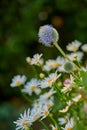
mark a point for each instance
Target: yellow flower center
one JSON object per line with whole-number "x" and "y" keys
{"x": 69, "y": 129}
{"x": 48, "y": 106}
{"x": 33, "y": 88}
{"x": 18, "y": 83}
{"x": 46, "y": 113}
{"x": 75, "y": 47}
{"x": 75, "y": 56}
{"x": 50, "y": 81}
{"x": 25, "y": 123}
{"x": 57, "y": 64}
{"x": 55, "y": 129}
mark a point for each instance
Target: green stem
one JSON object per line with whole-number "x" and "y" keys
{"x": 53, "y": 120}
{"x": 61, "y": 51}
{"x": 43, "y": 124}
{"x": 25, "y": 96}
{"x": 34, "y": 70}
{"x": 65, "y": 56}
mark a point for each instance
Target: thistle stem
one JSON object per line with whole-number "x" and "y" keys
{"x": 65, "y": 56}
{"x": 61, "y": 51}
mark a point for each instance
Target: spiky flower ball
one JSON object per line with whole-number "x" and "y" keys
{"x": 68, "y": 67}
{"x": 48, "y": 35}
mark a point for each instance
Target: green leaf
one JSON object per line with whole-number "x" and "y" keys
{"x": 84, "y": 78}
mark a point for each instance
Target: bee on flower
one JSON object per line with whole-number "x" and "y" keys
{"x": 73, "y": 46}
{"x": 18, "y": 80}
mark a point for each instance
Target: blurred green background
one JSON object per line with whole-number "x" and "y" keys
{"x": 19, "y": 24}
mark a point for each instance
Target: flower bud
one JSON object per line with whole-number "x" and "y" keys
{"x": 68, "y": 67}
{"x": 42, "y": 75}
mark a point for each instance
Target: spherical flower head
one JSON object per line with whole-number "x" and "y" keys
{"x": 48, "y": 35}
{"x": 68, "y": 67}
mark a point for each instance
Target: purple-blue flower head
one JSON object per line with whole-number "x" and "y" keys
{"x": 48, "y": 35}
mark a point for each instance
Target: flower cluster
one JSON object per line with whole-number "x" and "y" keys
{"x": 57, "y": 93}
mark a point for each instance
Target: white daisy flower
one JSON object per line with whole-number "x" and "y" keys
{"x": 73, "y": 46}
{"x": 37, "y": 108}
{"x": 63, "y": 120}
{"x": 37, "y": 60}
{"x": 53, "y": 64}
{"x": 44, "y": 112}
{"x": 60, "y": 60}
{"x": 25, "y": 121}
{"x": 76, "y": 56}
{"x": 77, "y": 98}
{"x": 48, "y": 81}
{"x": 50, "y": 64}
{"x": 36, "y": 111}
{"x": 46, "y": 95}
{"x": 68, "y": 84}
{"x": 69, "y": 125}
{"x": 84, "y": 48}
{"x": 48, "y": 103}
{"x": 69, "y": 103}
{"x": 32, "y": 86}
{"x": 18, "y": 80}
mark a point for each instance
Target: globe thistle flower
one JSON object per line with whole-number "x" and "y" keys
{"x": 48, "y": 35}
{"x": 68, "y": 67}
